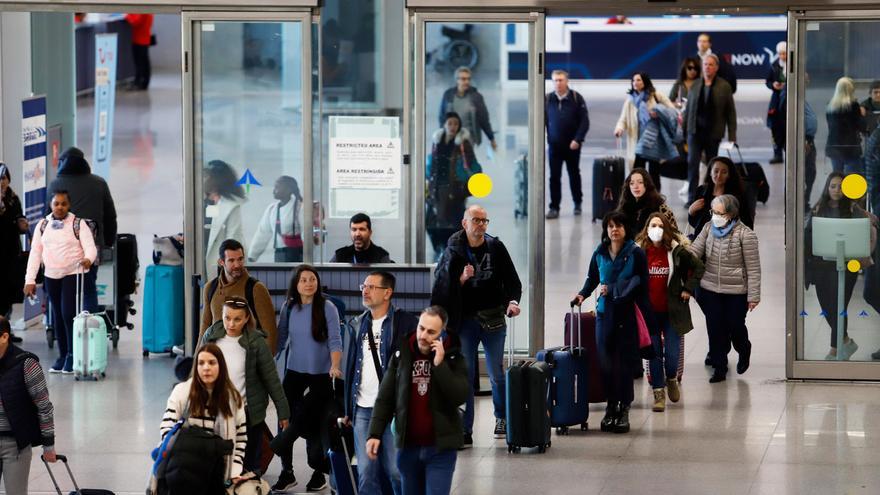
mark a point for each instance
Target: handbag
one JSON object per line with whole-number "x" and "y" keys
{"x": 492, "y": 319}
{"x": 646, "y": 348}
{"x": 253, "y": 486}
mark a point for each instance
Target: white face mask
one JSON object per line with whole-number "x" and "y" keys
{"x": 719, "y": 220}
{"x": 655, "y": 234}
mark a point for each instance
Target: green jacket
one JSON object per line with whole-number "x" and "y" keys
{"x": 261, "y": 379}
{"x": 449, "y": 389}
{"x": 686, "y": 270}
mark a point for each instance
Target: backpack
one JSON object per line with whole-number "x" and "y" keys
{"x": 77, "y": 223}
{"x": 248, "y": 294}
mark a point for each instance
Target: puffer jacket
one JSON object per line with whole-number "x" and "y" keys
{"x": 733, "y": 264}
{"x": 629, "y": 122}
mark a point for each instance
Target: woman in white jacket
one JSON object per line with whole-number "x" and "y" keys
{"x": 209, "y": 400}
{"x": 223, "y": 200}
{"x": 637, "y": 111}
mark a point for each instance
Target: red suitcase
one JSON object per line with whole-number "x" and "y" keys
{"x": 588, "y": 341}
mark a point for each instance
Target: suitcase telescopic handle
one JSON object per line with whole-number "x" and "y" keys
{"x": 510, "y": 340}
{"x": 63, "y": 460}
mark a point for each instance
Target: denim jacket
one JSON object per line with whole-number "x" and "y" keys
{"x": 397, "y": 325}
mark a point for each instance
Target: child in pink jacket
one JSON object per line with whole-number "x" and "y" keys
{"x": 64, "y": 245}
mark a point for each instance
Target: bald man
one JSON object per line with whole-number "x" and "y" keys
{"x": 477, "y": 283}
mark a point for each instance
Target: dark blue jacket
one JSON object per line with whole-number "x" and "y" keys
{"x": 396, "y": 326}
{"x": 566, "y": 121}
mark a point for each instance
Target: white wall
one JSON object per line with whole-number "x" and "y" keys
{"x": 15, "y": 85}
{"x": 165, "y": 56}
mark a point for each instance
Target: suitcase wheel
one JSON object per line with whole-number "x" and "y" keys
{"x": 562, "y": 430}
{"x": 542, "y": 449}
{"x": 585, "y": 426}
{"x": 50, "y": 337}
{"x": 146, "y": 353}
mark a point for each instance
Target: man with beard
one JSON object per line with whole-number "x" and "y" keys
{"x": 362, "y": 251}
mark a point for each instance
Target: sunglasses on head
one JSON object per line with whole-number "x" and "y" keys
{"x": 236, "y": 304}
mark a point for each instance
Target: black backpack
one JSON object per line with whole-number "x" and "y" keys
{"x": 248, "y": 294}
{"x": 195, "y": 464}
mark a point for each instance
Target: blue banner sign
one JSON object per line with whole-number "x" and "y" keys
{"x": 106, "y": 51}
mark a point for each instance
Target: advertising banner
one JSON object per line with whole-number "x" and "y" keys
{"x": 105, "y": 99}
{"x": 33, "y": 137}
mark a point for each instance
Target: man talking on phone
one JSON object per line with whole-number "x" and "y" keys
{"x": 477, "y": 283}
{"x": 425, "y": 383}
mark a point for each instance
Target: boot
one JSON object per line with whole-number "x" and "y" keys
{"x": 673, "y": 389}
{"x": 659, "y": 400}
{"x": 610, "y": 419}
{"x": 622, "y": 425}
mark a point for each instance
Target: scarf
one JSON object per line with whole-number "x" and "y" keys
{"x": 640, "y": 100}
{"x": 723, "y": 231}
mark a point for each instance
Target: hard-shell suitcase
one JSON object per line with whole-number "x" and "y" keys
{"x": 608, "y": 175}
{"x": 569, "y": 398}
{"x": 521, "y": 187}
{"x": 77, "y": 489}
{"x": 89, "y": 340}
{"x": 163, "y": 309}
{"x": 528, "y": 389}
{"x": 127, "y": 264}
{"x": 345, "y": 475}
{"x": 586, "y": 328}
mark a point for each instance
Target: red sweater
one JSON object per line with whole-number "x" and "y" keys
{"x": 420, "y": 427}
{"x": 658, "y": 278}
{"x": 141, "y": 28}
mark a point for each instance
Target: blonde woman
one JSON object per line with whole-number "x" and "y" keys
{"x": 845, "y": 121}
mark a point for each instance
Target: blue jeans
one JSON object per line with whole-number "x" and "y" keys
{"x": 493, "y": 343}
{"x": 374, "y": 475}
{"x": 615, "y": 364}
{"x": 666, "y": 351}
{"x": 426, "y": 470}
{"x": 848, "y": 165}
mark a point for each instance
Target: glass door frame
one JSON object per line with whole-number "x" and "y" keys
{"x": 414, "y": 126}
{"x": 193, "y": 213}
{"x": 795, "y": 366}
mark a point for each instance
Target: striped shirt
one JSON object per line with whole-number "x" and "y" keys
{"x": 237, "y": 432}
{"x": 35, "y": 382}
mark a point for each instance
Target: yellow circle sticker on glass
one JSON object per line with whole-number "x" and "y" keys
{"x": 480, "y": 185}
{"x": 853, "y": 266}
{"x": 854, "y": 186}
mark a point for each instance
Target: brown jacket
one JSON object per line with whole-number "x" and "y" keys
{"x": 213, "y": 310}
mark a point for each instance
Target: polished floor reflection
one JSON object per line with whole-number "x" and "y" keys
{"x": 754, "y": 433}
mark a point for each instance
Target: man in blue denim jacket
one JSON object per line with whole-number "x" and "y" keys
{"x": 387, "y": 325}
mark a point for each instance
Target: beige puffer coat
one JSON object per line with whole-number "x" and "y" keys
{"x": 733, "y": 264}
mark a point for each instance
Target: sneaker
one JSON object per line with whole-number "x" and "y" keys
{"x": 500, "y": 428}
{"x": 58, "y": 366}
{"x": 68, "y": 366}
{"x": 578, "y": 210}
{"x": 849, "y": 348}
{"x": 316, "y": 483}
{"x": 285, "y": 482}
{"x": 673, "y": 390}
{"x": 659, "y": 400}
{"x": 875, "y": 355}
{"x": 467, "y": 442}
{"x": 552, "y": 214}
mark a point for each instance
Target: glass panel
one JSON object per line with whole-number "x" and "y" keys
{"x": 361, "y": 100}
{"x": 480, "y": 72}
{"x": 840, "y": 148}
{"x": 249, "y": 137}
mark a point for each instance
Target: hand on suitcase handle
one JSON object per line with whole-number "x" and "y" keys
{"x": 51, "y": 456}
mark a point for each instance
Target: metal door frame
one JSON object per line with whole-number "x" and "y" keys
{"x": 414, "y": 125}
{"x": 796, "y": 367}
{"x": 193, "y": 217}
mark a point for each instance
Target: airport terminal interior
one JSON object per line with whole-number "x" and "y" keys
{"x": 276, "y": 92}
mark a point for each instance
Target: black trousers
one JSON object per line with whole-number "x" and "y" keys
{"x": 652, "y": 166}
{"x": 288, "y": 254}
{"x": 572, "y": 158}
{"x": 826, "y": 293}
{"x": 697, "y": 145}
{"x": 305, "y": 408}
{"x": 254, "y": 451}
{"x": 809, "y": 168}
{"x": 726, "y": 324}
{"x": 141, "y": 58}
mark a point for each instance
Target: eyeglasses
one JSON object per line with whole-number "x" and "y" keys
{"x": 371, "y": 287}
{"x": 236, "y": 304}
{"x": 480, "y": 221}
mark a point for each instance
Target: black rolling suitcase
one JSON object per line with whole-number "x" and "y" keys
{"x": 127, "y": 264}
{"x": 78, "y": 491}
{"x": 753, "y": 177}
{"x": 528, "y": 390}
{"x": 521, "y": 185}
{"x": 608, "y": 177}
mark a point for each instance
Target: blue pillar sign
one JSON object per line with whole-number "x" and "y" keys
{"x": 33, "y": 137}
{"x": 106, "y": 50}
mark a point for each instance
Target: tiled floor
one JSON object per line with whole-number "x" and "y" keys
{"x": 751, "y": 434}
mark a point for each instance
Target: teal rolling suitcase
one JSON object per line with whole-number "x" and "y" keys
{"x": 89, "y": 341}
{"x": 163, "y": 324}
